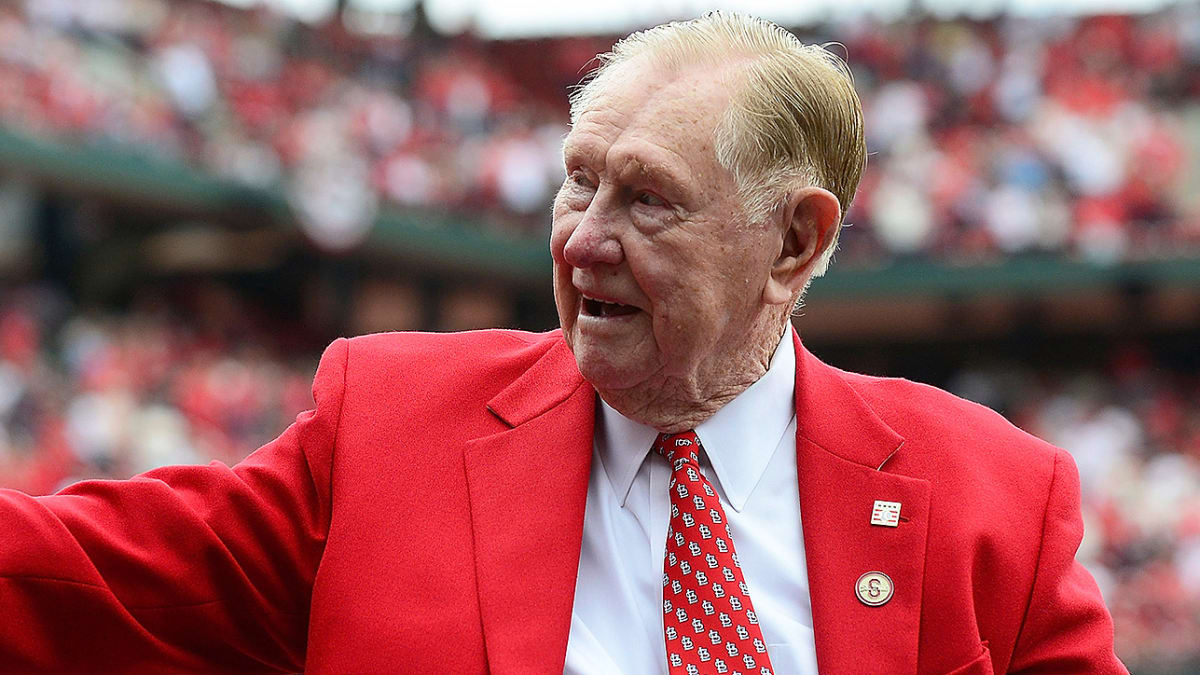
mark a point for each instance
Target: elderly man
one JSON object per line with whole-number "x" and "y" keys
{"x": 669, "y": 484}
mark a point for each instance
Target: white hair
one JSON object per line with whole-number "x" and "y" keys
{"x": 794, "y": 119}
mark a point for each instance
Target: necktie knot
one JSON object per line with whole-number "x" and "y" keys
{"x": 681, "y": 447}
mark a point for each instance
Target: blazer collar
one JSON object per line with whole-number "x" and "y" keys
{"x": 832, "y": 415}
{"x": 528, "y": 488}
{"x": 549, "y": 382}
{"x": 842, "y": 452}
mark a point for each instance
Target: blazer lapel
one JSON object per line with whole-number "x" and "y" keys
{"x": 528, "y": 488}
{"x": 841, "y": 447}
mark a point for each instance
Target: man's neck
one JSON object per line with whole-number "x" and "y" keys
{"x": 672, "y": 405}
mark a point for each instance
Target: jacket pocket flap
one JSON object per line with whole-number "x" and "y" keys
{"x": 980, "y": 665}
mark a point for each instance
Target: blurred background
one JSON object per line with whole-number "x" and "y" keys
{"x": 196, "y": 197}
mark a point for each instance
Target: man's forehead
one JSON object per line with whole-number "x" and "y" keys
{"x": 654, "y": 119}
{"x": 635, "y": 91}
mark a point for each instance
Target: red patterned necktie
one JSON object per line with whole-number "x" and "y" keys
{"x": 708, "y": 621}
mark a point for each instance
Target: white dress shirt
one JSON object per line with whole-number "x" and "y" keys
{"x": 750, "y": 458}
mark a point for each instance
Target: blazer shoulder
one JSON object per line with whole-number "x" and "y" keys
{"x": 957, "y": 434}
{"x": 915, "y": 405}
{"x": 416, "y": 366}
{"x": 414, "y": 344}
{"x": 475, "y": 349}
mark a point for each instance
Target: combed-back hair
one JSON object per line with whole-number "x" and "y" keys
{"x": 794, "y": 118}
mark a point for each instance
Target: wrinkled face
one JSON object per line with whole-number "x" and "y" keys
{"x": 657, "y": 273}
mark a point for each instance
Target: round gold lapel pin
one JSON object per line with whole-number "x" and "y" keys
{"x": 874, "y": 588}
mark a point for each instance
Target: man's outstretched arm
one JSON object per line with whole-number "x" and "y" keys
{"x": 187, "y": 569}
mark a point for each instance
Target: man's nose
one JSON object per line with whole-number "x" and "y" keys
{"x": 594, "y": 240}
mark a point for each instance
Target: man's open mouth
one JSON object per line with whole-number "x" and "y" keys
{"x": 601, "y": 308}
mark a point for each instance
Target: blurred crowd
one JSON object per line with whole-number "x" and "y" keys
{"x": 342, "y": 123}
{"x": 100, "y": 395}
{"x": 1068, "y": 135}
{"x": 1072, "y": 136}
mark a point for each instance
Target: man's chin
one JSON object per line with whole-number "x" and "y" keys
{"x": 608, "y": 372}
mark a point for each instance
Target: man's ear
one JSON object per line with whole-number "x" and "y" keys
{"x": 810, "y": 217}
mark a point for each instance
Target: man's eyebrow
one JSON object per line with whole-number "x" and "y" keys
{"x": 630, "y": 165}
{"x": 575, "y": 150}
{"x": 664, "y": 173}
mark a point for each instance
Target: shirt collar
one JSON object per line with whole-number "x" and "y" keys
{"x": 739, "y": 439}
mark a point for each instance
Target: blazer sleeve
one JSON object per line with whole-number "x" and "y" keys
{"x": 1067, "y": 628}
{"x": 181, "y": 569}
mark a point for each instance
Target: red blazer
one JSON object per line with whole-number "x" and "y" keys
{"x": 402, "y": 526}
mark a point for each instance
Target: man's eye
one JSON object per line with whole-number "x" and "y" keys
{"x": 580, "y": 178}
{"x": 650, "y": 199}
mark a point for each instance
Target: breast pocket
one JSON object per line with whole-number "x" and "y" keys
{"x": 980, "y": 665}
